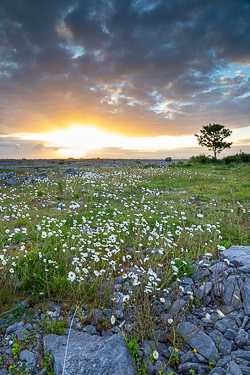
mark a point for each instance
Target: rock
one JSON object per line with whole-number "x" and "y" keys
{"x": 224, "y": 324}
{"x": 233, "y": 369}
{"x": 223, "y": 345}
{"x": 198, "y": 340}
{"x": 13, "y": 327}
{"x": 166, "y": 370}
{"x": 200, "y": 358}
{"x": 246, "y": 297}
{"x": 28, "y": 326}
{"x": 106, "y": 333}
{"x": 237, "y": 255}
{"x": 218, "y": 371}
{"x": 200, "y": 275}
{"x": 245, "y": 369}
{"x": 13, "y": 181}
{"x": 90, "y": 329}
{"x": 218, "y": 270}
{"x": 244, "y": 354}
{"x": 222, "y": 362}
{"x": 90, "y": 354}
{"x": 70, "y": 170}
{"x": 198, "y": 368}
{"x": 242, "y": 338}
{"x": 187, "y": 280}
{"x": 160, "y": 335}
{"x": 177, "y": 306}
{"x": 244, "y": 323}
{"x": 29, "y": 358}
{"x": 3, "y": 371}
{"x": 231, "y": 291}
{"x": 188, "y": 357}
{"x": 203, "y": 290}
{"x": 22, "y": 333}
{"x": 42, "y": 372}
{"x": 229, "y": 334}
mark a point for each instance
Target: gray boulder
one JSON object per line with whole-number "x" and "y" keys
{"x": 246, "y": 297}
{"x": 223, "y": 345}
{"x": 233, "y": 369}
{"x": 237, "y": 255}
{"x": 90, "y": 355}
{"x": 198, "y": 368}
{"x": 231, "y": 292}
{"x": 224, "y": 324}
{"x": 242, "y": 338}
{"x": 71, "y": 171}
{"x": 29, "y": 358}
{"x": 203, "y": 290}
{"x": 241, "y": 354}
{"x": 198, "y": 340}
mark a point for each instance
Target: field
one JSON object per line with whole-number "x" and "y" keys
{"x": 71, "y": 238}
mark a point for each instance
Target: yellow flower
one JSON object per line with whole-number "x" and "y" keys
{"x": 176, "y": 350}
{"x": 195, "y": 350}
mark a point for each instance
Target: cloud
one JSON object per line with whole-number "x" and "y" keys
{"x": 150, "y": 67}
{"x": 17, "y": 147}
{"x": 244, "y": 141}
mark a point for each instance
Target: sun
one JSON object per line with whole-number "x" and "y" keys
{"x": 72, "y": 152}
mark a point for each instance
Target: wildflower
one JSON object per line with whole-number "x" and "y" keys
{"x": 44, "y": 234}
{"x": 176, "y": 350}
{"x": 155, "y": 354}
{"x": 4, "y": 262}
{"x": 71, "y": 276}
{"x": 112, "y": 320}
{"x": 11, "y": 270}
{"x": 220, "y": 313}
{"x": 170, "y": 321}
{"x": 195, "y": 350}
{"x": 162, "y": 299}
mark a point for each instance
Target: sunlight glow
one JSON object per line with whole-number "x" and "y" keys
{"x": 77, "y": 140}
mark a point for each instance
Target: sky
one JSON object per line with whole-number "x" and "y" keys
{"x": 122, "y": 78}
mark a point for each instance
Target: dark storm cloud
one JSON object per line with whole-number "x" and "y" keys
{"x": 141, "y": 67}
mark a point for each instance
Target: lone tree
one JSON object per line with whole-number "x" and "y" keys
{"x": 212, "y": 137}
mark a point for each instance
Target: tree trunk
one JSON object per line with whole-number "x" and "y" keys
{"x": 215, "y": 154}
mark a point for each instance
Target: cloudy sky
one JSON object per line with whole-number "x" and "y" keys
{"x": 122, "y": 78}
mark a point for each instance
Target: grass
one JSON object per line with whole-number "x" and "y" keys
{"x": 151, "y": 218}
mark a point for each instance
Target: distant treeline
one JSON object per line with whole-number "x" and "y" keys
{"x": 237, "y": 158}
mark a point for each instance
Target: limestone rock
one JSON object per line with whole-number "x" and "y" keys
{"x": 198, "y": 340}
{"x": 91, "y": 355}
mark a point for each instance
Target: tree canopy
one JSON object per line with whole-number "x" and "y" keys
{"x": 212, "y": 136}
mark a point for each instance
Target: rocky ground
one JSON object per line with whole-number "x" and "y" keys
{"x": 31, "y": 170}
{"x": 209, "y": 313}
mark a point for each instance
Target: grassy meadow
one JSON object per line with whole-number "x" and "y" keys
{"x": 68, "y": 237}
